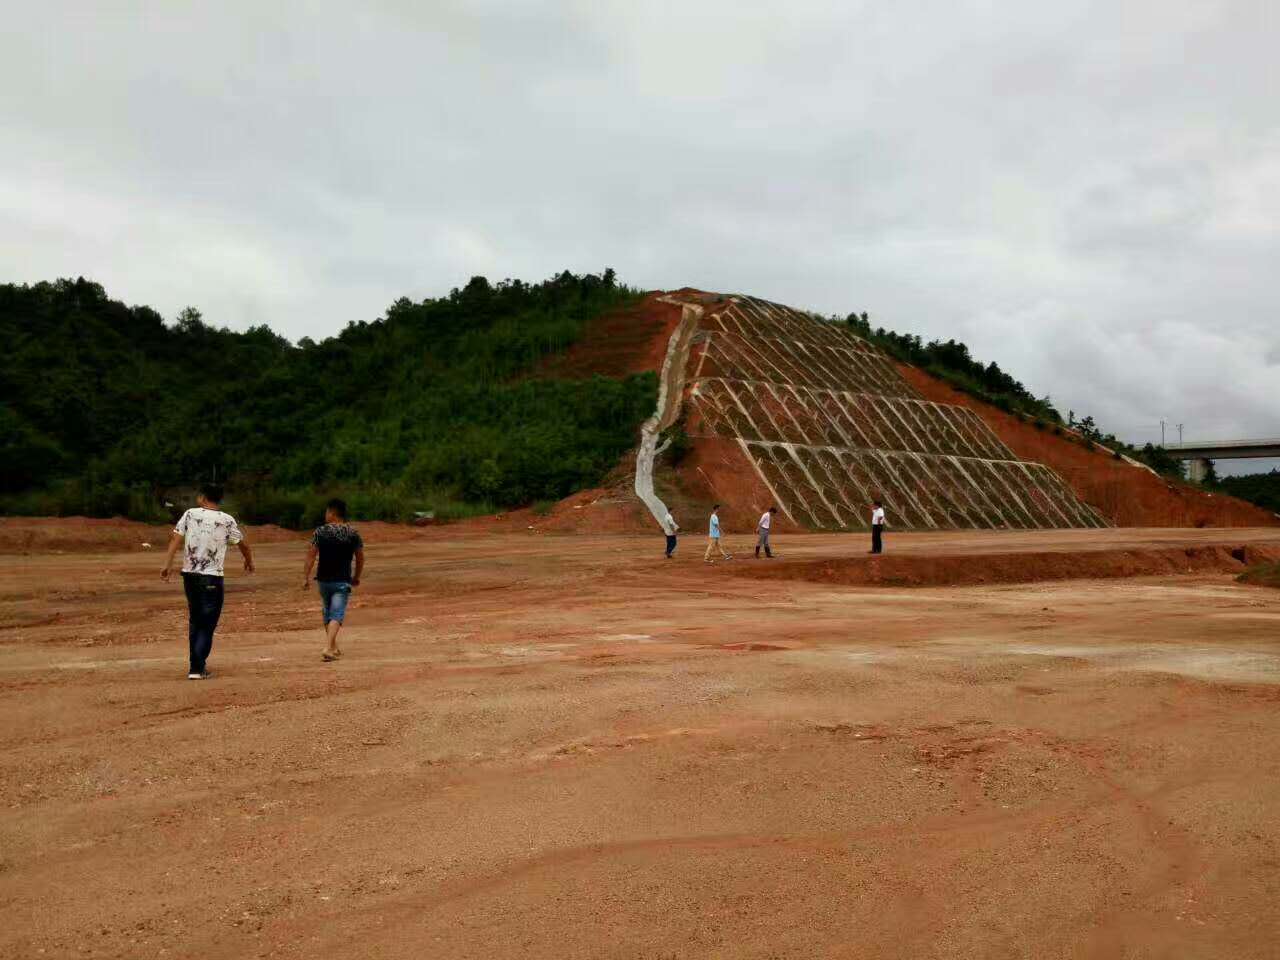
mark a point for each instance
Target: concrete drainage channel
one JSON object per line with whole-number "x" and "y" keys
{"x": 670, "y": 394}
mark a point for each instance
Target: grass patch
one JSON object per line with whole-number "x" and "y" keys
{"x": 1262, "y": 575}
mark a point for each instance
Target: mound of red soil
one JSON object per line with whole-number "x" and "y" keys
{"x": 916, "y": 570}
{"x": 634, "y": 340}
{"x": 1126, "y": 495}
{"x": 91, "y": 535}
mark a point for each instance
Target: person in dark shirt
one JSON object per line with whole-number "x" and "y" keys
{"x": 336, "y": 544}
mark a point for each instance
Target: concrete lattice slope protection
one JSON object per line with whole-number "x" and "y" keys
{"x": 824, "y": 423}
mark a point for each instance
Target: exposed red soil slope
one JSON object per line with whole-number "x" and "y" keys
{"x": 715, "y": 470}
{"x": 630, "y": 340}
{"x": 1126, "y": 495}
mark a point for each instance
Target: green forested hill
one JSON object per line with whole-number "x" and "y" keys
{"x": 103, "y": 405}
{"x": 1260, "y": 488}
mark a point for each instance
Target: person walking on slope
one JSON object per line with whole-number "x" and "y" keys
{"x": 336, "y": 542}
{"x": 204, "y": 532}
{"x": 669, "y": 527}
{"x": 713, "y": 537}
{"x": 877, "y": 527}
{"x": 762, "y": 532}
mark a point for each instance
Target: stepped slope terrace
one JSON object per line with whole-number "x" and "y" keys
{"x": 824, "y": 423}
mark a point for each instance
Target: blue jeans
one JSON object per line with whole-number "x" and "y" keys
{"x": 334, "y": 595}
{"x": 204, "y": 607}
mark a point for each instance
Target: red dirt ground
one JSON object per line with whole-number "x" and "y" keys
{"x": 568, "y": 747}
{"x": 1128, "y": 496}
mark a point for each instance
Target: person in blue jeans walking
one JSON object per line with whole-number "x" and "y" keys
{"x": 204, "y": 532}
{"x": 336, "y": 543}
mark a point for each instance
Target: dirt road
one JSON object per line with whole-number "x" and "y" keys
{"x": 558, "y": 747}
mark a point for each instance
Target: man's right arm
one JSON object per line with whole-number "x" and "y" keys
{"x": 175, "y": 541}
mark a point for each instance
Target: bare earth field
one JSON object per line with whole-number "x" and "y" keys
{"x": 554, "y": 747}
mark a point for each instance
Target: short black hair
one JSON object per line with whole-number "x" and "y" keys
{"x": 211, "y": 492}
{"x": 877, "y": 503}
{"x": 773, "y": 509}
{"x": 337, "y": 506}
{"x": 716, "y": 507}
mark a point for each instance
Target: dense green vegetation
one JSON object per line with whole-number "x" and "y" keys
{"x": 1260, "y": 488}
{"x": 431, "y": 407}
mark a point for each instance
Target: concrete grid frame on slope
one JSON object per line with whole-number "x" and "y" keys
{"x": 828, "y": 423}
{"x": 785, "y": 413}
{"x": 830, "y": 488}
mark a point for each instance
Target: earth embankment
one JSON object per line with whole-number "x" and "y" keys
{"x": 1128, "y": 496}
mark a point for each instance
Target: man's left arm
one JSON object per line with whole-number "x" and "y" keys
{"x": 355, "y": 580}
{"x": 175, "y": 541}
{"x": 236, "y": 536}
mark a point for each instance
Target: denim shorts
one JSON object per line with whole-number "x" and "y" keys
{"x": 334, "y": 595}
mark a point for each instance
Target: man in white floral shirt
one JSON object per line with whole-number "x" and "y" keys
{"x": 204, "y": 532}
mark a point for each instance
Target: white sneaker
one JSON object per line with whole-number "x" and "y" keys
{"x": 195, "y": 676}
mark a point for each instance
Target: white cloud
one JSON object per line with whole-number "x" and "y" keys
{"x": 1084, "y": 192}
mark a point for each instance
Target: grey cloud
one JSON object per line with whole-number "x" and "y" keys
{"x": 1084, "y": 192}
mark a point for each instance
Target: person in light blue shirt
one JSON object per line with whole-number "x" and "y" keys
{"x": 713, "y": 537}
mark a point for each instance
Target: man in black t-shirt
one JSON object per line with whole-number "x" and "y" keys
{"x": 336, "y": 544}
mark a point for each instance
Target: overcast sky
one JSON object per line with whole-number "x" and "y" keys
{"x": 1087, "y": 193}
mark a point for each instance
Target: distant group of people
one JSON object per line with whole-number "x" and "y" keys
{"x": 336, "y": 554}
{"x": 763, "y": 528}
{"x": 205, "y": 531}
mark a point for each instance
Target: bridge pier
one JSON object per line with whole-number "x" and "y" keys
{"x": 1198, "y": 469}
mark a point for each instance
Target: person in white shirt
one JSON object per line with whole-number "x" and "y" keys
{"x": 877, "y": 526}
{"x": 669, "y": 527}
{"x": 762, "y": 532}
{"x": 713, "y": 537}
{"x": 204, "y": 532}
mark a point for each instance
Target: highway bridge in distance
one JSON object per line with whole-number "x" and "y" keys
{"x": 1201, "y": 454}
